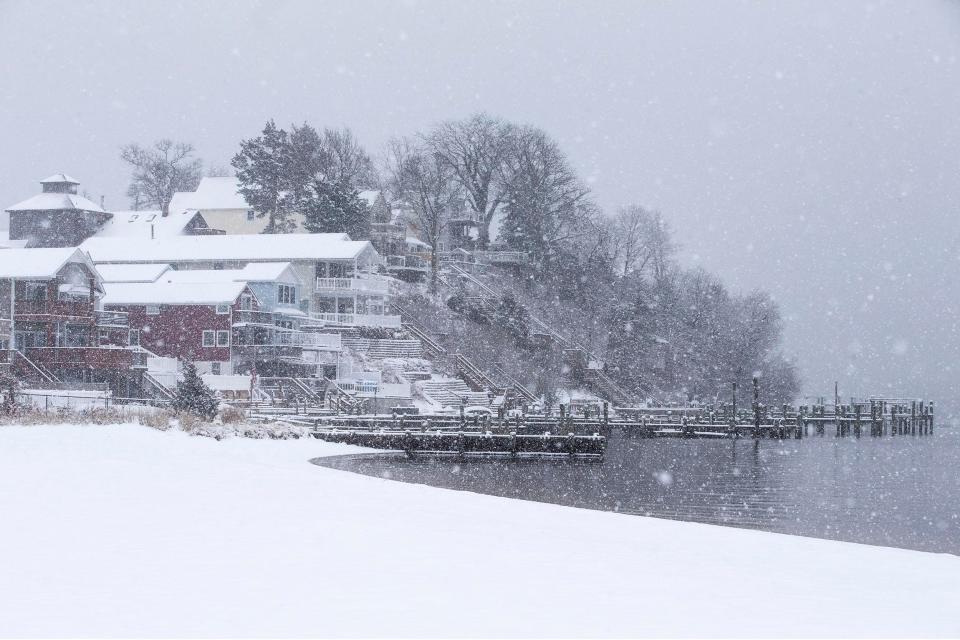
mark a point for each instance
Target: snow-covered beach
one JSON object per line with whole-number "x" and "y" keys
{"x": 125, "y": 530}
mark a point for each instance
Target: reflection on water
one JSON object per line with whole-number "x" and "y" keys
{"x": 902, "y": 491}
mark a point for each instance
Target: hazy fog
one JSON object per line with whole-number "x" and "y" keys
{"x": 811, "y": 149}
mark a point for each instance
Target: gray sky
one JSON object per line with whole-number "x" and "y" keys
{"x": 808, "y": 148}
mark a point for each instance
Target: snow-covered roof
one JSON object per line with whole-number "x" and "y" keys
{"x": 56, "y": 202}
{"x": 253, "y": 272}
{"x": 369, "y": 196}
{"x": 131, "y": 272}
{"x": 226, "y": 383}
{"x": 39, "y": 264}
{"x": 58, "y": 178}
{"x": 7, "y": 243}
{"x": 246, "y": 248}
{"x": 145, "y": 224}
{"x": 173, "y": 293}
{"x": 417, "y": 242}
{"x": 211, "y": 193}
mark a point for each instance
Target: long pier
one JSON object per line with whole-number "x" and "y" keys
{"x": 585, "y": 437}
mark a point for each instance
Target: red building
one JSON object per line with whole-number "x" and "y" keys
{"x": 50, "y": 329}
{"x": 190, "y": 321}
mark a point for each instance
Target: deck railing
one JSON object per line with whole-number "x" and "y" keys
{"x": 358, "y": 319}
{"x": 359, "y": 285}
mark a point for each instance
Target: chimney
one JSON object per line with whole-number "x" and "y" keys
{"x": 101, "y": 201}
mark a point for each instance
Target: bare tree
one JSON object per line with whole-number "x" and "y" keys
{"x": 641, "y": 241}
{"x": 475, "y": 150}
{"x": 426, "y": 180}
{"x": 160, "y": 171}
{"x": 547, "y": 208}
{"x": 348, "y": 161}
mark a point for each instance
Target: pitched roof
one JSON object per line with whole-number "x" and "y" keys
{"x": 174, "y": 293}
{"x": 246, "y": 248}
{"x": 56, "y": 202}
{"x": 59, "y": 177}
{"x": 131, "y": 272}
{"x": 39, "y": 264}
{"x": 145, "y": 224}
{"x": 253, "y": 272}
{"x": 211, "y": 193}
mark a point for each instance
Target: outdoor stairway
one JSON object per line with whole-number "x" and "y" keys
{"x": 285, "y": 389}
{"x": 380, "y": 348}
{"x": 152, "y": 387}
{"x": 32, "y": 371}
{"x": 595, "y": 378}
{"x": 453, "y": 393}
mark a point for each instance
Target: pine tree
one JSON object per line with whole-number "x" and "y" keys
{"x": 193, "y": 395}
{"x": 334, "y": 207}
{"x": 263, "y": 171}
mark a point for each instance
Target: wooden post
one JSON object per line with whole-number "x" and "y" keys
{"x": 733, "y": 419}
{"x": 930, "y": 409}
{"x": 756, "y": 407}
{"x": 856, "y": 427}
{"x": 913, "y": 418}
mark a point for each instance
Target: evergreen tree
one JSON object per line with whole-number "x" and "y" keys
{"x": 193, "y": 395}
{"x": 263, "y": 170}
{"x": 334, "y": 207}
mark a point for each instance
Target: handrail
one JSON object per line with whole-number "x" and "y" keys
{"x": 46, "y": 375}
{"x": 159, "y": 386}
{"x": 522, "y": 390}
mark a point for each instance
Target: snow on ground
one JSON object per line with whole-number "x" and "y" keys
{"x": 125, "y": 530}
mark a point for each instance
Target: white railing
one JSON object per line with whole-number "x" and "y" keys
{"x": 304, "y": 339}
{"x": 359, "y": 319}
{"x": 364, "y": 285}
{"x": 501, "y": 257}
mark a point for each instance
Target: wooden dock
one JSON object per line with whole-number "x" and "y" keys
{"x": 473, "y": 444}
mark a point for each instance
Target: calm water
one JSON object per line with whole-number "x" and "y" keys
{"x": 901, "y": 492}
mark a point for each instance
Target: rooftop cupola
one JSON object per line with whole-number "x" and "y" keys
{"x": 59, "y": 183}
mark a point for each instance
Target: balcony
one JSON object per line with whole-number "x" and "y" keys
{"x": 248, "y": 316}
{"x": 111, "y": 319}
{"x": 353, "y": 285}
{"x": 58, "y": 308}
{"x": 92, "y": 357}
{"x": 501, "y": 257}
{"x": 358, "y": 319}
{"x": 406, "y": 263}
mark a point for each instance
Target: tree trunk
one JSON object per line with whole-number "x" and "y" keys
{"x": 483, "y": 241}
{"x": 433, "y": 269}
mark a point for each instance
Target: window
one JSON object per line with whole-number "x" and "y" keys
{"x": 103, "y": 336}
{"x": 223, "y": 309}
{"x": 246, "y": 302}
{"x": 286, "y": 294}
{"x": 250, "y": 215}
{"x": 209, "y": 338}
{"x": 215, "y": 368}
{"x": 36, "y": 291}
{"x": 134, "y": 337}
{"x": 223, "y": 338}
{"x": 153, "y": 309}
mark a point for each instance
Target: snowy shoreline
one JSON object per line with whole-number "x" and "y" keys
{"x": 125, "y": 530}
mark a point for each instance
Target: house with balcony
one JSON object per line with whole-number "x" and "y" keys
{"x": 341, "y": 280}
{"x": 52, "y": 328}
{"x": 227, "y": 321}
{"x": 188, "y": 321}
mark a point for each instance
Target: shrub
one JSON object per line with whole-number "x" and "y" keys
{"x": 194, "y": 396}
